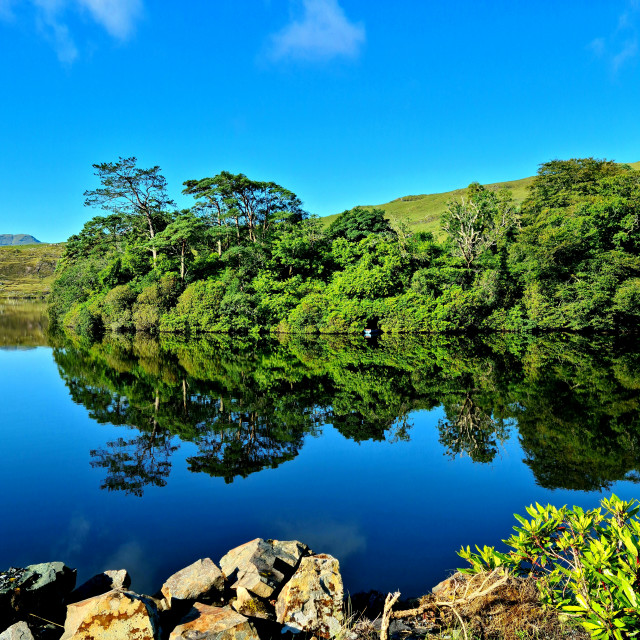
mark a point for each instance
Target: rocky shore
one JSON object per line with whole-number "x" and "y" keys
{"x": 260, "y": 590}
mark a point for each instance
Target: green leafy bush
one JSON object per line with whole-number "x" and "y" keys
{"x": 586, "y": 563}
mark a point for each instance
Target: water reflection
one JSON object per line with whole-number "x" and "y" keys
{"x": 23, "y": 324}
{"x": 249, "y": 405}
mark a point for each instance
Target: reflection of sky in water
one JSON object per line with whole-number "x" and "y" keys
{"x": 393, "y": 513}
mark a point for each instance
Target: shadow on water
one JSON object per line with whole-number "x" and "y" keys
{"x": 249, "y": 405}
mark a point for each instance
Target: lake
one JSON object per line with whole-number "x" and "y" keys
{"x": 389, "y": 453}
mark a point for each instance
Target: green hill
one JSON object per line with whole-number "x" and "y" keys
{"x": 422, "y": 212}
{"x": 27, "y": 271}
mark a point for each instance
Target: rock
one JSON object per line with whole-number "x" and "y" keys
{"x": 99, "y": 584}
{"x": 449, "y": 585}
{"x": 17, "y": 631}
{"x": 201, "y": 581}
{"x": 251, "y": 606}
{"x": 39, "y": 589}
{"x": 262, "y": 566}
{"x": 312, "y": 600}
{"x": 205, "y": 622}
{"x": 116, "y": 615}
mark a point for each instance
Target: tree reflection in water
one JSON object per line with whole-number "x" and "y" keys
{"x": 248, "y": 405}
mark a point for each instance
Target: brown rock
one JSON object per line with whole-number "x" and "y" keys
{"x": 200, "y": 580}
{"x": 312, "y": 600}
{"x": 204, "y": 622}
{"x": 449, "y": 585}
{"x": 116, "y": 615}
{"x": 251, "y": 606}
{"x": 262, "y": 566}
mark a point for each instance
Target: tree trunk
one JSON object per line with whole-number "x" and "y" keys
{"x": 182, "y": 263}
{"x": 152, "y": 233}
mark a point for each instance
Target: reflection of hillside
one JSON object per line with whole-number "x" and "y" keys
{"x": 22, "y": 324}
{"x": 249, "y": 405}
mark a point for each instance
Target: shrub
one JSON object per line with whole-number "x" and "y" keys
{"x": 586, "y": 563}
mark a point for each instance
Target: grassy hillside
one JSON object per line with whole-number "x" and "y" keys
{"x": 27, "y": 271}
{"x": 422, "y": 212}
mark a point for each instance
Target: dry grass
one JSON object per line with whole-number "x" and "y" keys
{"x": 493, "y": 605}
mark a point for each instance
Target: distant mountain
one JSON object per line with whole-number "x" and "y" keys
{"x": 9, "y": 240}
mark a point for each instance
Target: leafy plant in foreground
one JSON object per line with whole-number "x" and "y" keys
{"x": 586, "y": 563}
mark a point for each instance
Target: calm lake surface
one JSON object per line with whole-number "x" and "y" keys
{"x": 390, "y": 455}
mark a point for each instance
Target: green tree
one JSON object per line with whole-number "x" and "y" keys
{"x": 254, "y": 206}
{"x": 357, "y": 223}
{"x": 479, "y": 222}
{"x": 139, "y": 195}
{"x": 182, "y": 235}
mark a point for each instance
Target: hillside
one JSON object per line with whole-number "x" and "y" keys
{"x": 27, "y": 271}
{"x": 19, "y": 239}
{"x": 422, "y": 212}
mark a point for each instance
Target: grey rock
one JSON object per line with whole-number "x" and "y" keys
{"x": 17, "y": 631}
{"x": 312, "y": 599}
{"x": 262, "y": 566}
{"x": 202, "y": 581}
{"x": 99, "y": 584}
{"x": 37, "y": 589}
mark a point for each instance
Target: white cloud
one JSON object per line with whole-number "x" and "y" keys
{"x": 55, "y": 30}
{"x": 621, "y": 46}
{"x": 322, "y": 33}
{"x": 5, "y": 10}
{"x": 116, "y": 17}
{"x": 628, "y": 52}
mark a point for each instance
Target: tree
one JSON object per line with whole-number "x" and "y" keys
{"x": 479, "y": 222}
{"x": 181, "y": 234}
{"x": 254, "y": 206}
{"x": 131, "y": 192}
{"x": 357, "y": 223}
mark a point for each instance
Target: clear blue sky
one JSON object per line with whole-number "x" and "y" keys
{"x": 344, "y": 102}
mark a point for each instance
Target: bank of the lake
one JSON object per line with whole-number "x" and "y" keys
{"x": 266, "y": 589}
{"x": 248, "y": 258}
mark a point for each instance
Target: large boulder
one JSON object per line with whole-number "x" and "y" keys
{"x": 18, "y": 631}
{"x": 37, "y": 589}
{"x": 101, "y": 583}
{"x": 312, "y": 600}
{"x": 202, "y": 581}
{"x": 116, "y": 615}
{"x": 205, "y": 622}
{"x": 262, "y": 566}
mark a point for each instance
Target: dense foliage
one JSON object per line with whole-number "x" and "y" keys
{"x": 247, "y": 257}
{"x": 586, "y": 563}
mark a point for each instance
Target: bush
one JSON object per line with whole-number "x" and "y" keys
{"x": 116, "y": 308}
{"x": 586, "y": 563}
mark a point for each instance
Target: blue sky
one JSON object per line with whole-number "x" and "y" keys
{"x": 344, "y": 102}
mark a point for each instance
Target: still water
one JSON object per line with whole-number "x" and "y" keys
{"x": 148, "y": 454}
